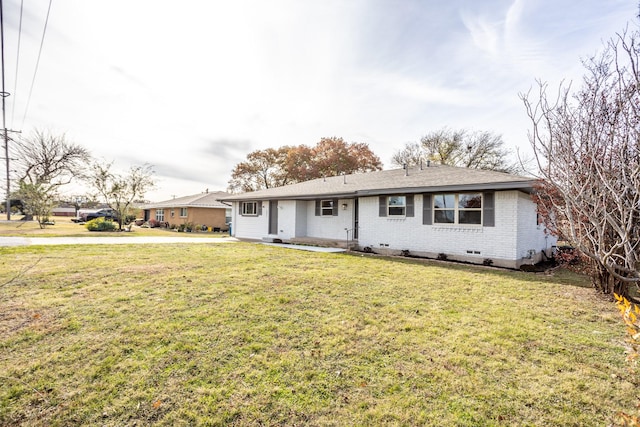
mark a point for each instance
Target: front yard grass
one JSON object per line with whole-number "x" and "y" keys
{"x": 250, "y": 334}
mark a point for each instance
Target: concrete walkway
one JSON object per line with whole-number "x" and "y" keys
{"x": 26, "y": 241}
{"x": 305, "y": 248}
{"x": 142, "y": 240}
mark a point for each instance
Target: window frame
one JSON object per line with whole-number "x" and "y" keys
{"x": 160, "y": 215}
{"x": 248, "y": 212}
{"x": 183, "y": 212}
{"x": 326, "y": 210}
{"x": 457, "y": 209}
{"x": 403, "y": 206}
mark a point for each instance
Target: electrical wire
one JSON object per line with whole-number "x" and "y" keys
{"x": 35, "y": 72}
{"x": 15, "y": 87}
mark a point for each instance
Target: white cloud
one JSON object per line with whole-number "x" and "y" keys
{"x": 160, "y": 82}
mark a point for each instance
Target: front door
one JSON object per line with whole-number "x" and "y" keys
{"x": 273, "y": 217}
{"x": 356, "y": 213}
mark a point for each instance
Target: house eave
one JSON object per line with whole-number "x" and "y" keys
{"x": 525, "y": 186}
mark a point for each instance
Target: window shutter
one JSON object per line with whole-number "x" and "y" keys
{"x": 317, "y": 207}
{"x": 427, "y": 218}
{"x": 335, "y": 207}
{"x": 259, "y": 207}
{"x": 382, "y": 209}
{"x": 488, "y": 210}
{"x": 410, "y": 207}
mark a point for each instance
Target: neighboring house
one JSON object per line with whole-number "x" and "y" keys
{"x": 64, "y": 209}
{"x": 202, "y": 209}
{"x": 462, "y": 214}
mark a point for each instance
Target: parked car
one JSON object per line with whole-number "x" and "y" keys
{"x": 106, "y": 213}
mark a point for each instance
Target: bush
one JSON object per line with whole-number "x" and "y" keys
{"x": 100, "y": 224}
{"x": 630, "y": 314}
{"x": 154, "y": 223}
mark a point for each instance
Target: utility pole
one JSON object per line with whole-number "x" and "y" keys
{"x": 3, "y": 95}
{"x": 4, "y": 119}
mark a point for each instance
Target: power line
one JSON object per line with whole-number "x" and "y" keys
{"x": 35, "y": 72}
{"x": 15, "y": 87}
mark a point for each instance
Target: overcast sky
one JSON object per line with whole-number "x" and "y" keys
{"x": 193, "y": 86}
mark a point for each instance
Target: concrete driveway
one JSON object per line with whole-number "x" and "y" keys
{"x": 26, "y": 241}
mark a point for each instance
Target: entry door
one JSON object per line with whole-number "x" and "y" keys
{"x": 273, "y": 217}
{"x": 356, "y": 214}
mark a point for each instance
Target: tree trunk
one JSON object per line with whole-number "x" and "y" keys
{"x": 606, "y": 283}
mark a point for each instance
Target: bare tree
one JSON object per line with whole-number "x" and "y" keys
{"x": 460, "y": 147}
{"x": 120, "y": 190}
{"x": 45, "y": 163}
{"x": 411, "y": 155}
{"x": 587, "y": 146}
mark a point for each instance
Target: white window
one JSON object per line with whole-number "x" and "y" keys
{"x": 326, "y": 207}
{"x": 462, "y": 208}
{"x": 396, "y": 206}
{"x": 249, "y": 208}
{"x": 159, "y": 214}
{"x": 183, "y": 212}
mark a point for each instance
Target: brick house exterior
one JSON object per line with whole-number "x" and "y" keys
{"x": 466, "y": 214}
{"x": 202, "y": 209}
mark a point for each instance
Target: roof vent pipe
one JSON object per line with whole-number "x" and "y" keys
{"x": 344, "y": 178}
{"x": 406, "y": 171}
{"x": 420, "y": 164}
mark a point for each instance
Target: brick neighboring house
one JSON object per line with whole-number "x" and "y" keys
{"x": 202, "y": 209}
{"x": 464, "y": 214}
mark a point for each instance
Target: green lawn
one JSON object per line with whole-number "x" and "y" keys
{"x": 248, "y": 334}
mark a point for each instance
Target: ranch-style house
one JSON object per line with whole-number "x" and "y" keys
{"x": 470, "y": 215}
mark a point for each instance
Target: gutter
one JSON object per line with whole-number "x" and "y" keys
{"x": 525, "y": 186}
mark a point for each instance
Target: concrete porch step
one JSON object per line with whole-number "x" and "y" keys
{"x": 329, "y": 243}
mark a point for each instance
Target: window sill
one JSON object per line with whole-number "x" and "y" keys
{"x": 471, "y": 228}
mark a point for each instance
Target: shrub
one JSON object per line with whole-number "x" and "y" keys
{"x": 100, "y": 224}
{"x": 630, "y": 313}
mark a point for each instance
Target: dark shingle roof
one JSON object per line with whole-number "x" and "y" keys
{"x": 395, "y": 181}
{"x": 202, "y": 200}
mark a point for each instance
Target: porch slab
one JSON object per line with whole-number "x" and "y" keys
{"x": 306, "y": 248}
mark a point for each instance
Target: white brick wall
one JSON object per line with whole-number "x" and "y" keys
{"x": 531, "y": 236}
{"x": 464, "y": 242}
{"x": 514, "y": 234}
{"x": 250, "y": 227}
{"x": 296, "y": 218}
{"x": 330, "y": 227}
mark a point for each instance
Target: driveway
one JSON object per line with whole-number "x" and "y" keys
{"x": 26, "y": 241}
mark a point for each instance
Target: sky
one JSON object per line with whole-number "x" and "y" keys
{"x": 192, "y": 87}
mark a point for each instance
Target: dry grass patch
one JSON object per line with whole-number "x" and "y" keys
{"x": 258, "y": 335}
